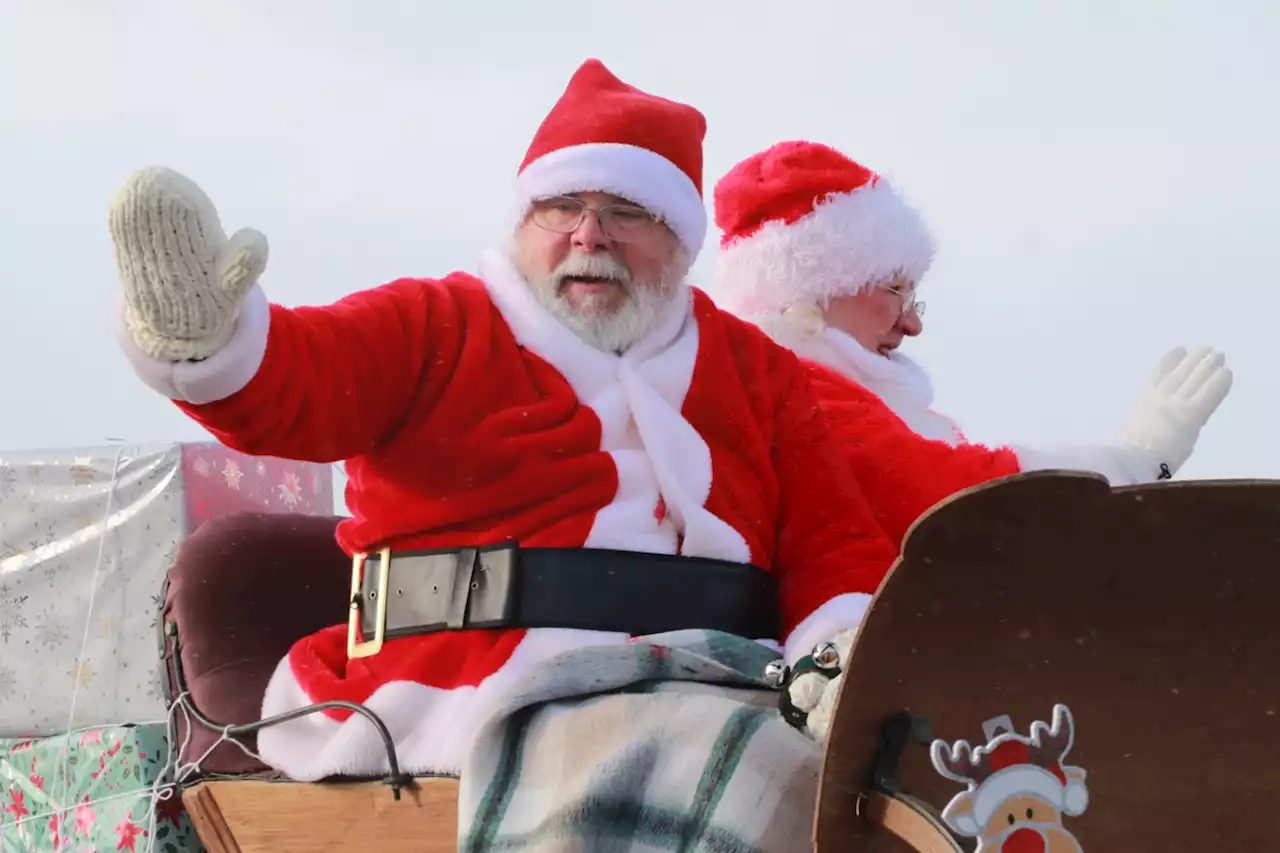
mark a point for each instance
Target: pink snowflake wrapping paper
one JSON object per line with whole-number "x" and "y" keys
{"x": 103, "y": 524}
{"x": 221, "y": 482}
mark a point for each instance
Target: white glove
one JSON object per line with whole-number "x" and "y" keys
{"x": 813, "y": 689}
{"x": 184, "y": 281}
{"x": 1178, "y": 401}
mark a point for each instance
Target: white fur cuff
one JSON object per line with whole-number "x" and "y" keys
{"x": 224, "y": 373}
{"x": 1122, "y": 466}
{"x": 842, "y": 613}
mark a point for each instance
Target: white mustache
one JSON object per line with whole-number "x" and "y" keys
{"x": 596, "y": 266}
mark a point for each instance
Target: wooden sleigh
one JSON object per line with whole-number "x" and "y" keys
{"x": 1146, "y": 613}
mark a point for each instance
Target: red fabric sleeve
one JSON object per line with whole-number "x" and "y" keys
{"x": 335, "y": 380}
{"x": 901, "y": 473}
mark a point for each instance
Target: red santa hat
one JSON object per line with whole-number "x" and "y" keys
{"x": 803, "y": 223}
{"x": 604, "y": 135}
{"x": 1016, "y": 776}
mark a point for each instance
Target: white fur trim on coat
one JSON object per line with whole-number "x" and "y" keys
{"x": 900, "y": 382}
{"x": 842, "y": 613}
{"x": 1122, "y": 466}
{"x": 218, "y": 376}
{"x": 849, "y": 242}
{"x": 432, "y": 727}
{"x": 638, "y": 174}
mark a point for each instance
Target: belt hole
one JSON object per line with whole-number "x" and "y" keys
{"x": 373, "y": 593}
{"x": 475, "y": 585}
{"x": 399, "y": 592}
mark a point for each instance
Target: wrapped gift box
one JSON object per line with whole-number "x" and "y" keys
{"x": 90, "y": 790}
{"x": 95, "y": 529}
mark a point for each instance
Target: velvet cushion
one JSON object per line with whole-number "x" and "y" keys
{"x": 242, "y": 590}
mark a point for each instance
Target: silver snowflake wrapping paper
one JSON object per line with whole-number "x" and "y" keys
{"x": 86, "y": 536}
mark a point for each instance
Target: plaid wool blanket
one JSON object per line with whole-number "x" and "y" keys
{"x": 670, "y": 743}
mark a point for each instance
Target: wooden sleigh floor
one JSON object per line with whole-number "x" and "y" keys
{"x": 1150, "y": 612}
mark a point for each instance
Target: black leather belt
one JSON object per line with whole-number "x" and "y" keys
{"x": 505, "y": 586}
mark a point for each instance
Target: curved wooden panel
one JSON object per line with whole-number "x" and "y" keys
{"x": 1153, "y": 612}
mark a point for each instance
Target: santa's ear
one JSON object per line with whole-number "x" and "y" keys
{"x": 959, "y": 815}
{"x": 1076, "y": 797}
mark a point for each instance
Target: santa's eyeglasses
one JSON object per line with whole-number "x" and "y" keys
{"x": 908, "y": 298}
{"x": 564, "y": 214}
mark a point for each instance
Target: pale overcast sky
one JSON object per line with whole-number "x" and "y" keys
{"x": 1101, "y": 174}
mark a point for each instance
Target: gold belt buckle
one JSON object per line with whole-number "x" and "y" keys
{"x": 368, "y": 648}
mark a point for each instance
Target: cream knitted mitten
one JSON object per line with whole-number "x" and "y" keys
{"x": 184, "y": 281}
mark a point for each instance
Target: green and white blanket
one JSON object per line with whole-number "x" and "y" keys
{"x": 669, "y": 743}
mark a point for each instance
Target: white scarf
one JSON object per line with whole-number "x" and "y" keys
{"x": 638, "y": 397}
{"x": 900, "y": 382}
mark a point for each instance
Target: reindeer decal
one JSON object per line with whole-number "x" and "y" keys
{"x": 1018, "y": 789}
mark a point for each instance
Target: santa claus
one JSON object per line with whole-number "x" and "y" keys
{"x": 565, "y": 448}
{"x": 825, "y": 256}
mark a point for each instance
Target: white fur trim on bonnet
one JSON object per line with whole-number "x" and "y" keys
{"x": 848, "y": 243}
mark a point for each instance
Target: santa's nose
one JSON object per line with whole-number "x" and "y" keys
{"x": 1023, "y": 841}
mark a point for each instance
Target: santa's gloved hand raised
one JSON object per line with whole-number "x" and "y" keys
{"x": 810, "y": 687}
{"x": 1180, "y": 397}
{"x": 183, "y": 280}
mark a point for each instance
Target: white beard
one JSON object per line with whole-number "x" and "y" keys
{"x": 615, "y": 332}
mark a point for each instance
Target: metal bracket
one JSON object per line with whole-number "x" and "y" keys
{"x": 897, "y": 731}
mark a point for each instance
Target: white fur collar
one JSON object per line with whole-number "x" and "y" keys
{"x": 637, "y": 394}
{"x": 897, "y": 379}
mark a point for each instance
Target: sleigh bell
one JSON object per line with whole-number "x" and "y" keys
{"x": 826, "y": 656}
{"x": 776, "y": 672}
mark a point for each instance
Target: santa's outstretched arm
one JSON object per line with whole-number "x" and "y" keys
{"x": 320, "y": 384}
{"x": 904, "y": 474}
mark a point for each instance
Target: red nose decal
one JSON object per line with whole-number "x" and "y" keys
{"x": 1023, "y": 841}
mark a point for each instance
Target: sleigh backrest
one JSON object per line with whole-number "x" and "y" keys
{"x": 243, "y": 589}
{"x": 1149, "y": 612}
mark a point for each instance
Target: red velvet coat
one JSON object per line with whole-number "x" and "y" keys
{"x": 469, "y": 415}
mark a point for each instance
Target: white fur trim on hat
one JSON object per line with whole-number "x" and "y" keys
{"x": 637, "y": 174}
{"x": 849, "y": 242}
{"x": 1076, "y": 799}
{"x": 1019, "y": 780}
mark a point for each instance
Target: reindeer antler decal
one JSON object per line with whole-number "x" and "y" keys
{"x": 961, "y": 762}
{"x": 1050, "y": 744}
